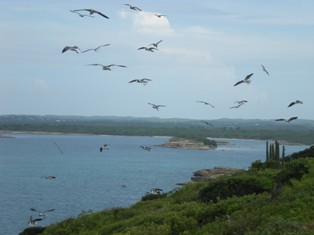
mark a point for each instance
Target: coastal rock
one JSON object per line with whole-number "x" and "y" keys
{"x": 176, "y": 142}
{"x": 210, "y": 174}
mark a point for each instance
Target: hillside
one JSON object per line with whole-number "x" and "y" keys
{"x": 269, "y": 198}
{"x": 300, "y": 131}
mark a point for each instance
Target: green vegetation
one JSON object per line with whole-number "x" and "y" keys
{"x": 267, "y": 199}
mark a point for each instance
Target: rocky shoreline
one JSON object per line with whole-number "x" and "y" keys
{"x": 176, "y": 142}
{"x": 211, "y": 174}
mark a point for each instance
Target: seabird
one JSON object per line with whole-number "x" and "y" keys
{"x": 135, "y": 8}
{"x": 245, "y": 80}
{"x": 95, "y": 49}
{"x": 151, "y": 49}
{"x": 144, "y": 81}
{"x": 50, "y": 177}
{"x": 92, "y": 11}
{"x": 42, "y": 213}
{"x": 208, "y": 123}
{"x": 155, "y": 191}
{"x": 206, "y": 103}
{"x": 159, "y": 15}
{"x": 155, "y": 44}
{"x": 104, "y": 147}
{"x": 287, "y": 120}
{"x": 33, "y": 222}
{"x": 295, "y": 102}
{"x": 155, "y": 106}
{"x": 107, "y": 67}
{"x": 71, "y": 48}
{"x": 146, "y": 148}
{"x": 265, "y": 70}
{"x": 79, "y": 14}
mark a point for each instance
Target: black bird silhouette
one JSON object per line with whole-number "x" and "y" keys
{"x": 295, "y": 102}
{"x": 206, "y": 103}
{"x": 79, "y": 14}
{"x": 157, "y": 106}
{"x": 96, "y": 49}
{"x": 155, "y": 44}
{"x": 207, "y": 123}
{"x": 146, "y": 148}
{"x": 265, "y": 70}
{"x": 104, "y": 147}
{"x": 245, "y": 80}
{"x": 159, "y": 15}
{"x": 91, "y": 12}
{"x": 151, "y": 49}
{"x": 71, "y": 48}
{"x": 286, "y": 120}
{"x": 144, "y": 81}
{"x": 135, "y": 8}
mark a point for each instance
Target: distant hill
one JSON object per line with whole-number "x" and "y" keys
{"x": 298, "y": 131}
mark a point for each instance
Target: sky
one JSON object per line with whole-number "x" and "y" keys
{"x": 207, "y": 46}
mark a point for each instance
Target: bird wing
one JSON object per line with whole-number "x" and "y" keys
{"x": 248, "y": 76}
{"x": 33, "y": 209}
{"x": 145, "y": 79}
{"x": 280, "y": 119}
{"x": 108, "y": 44}
{"x": 239, "y": 82}
{"x": 291, "y": 104}
{"x": 292, "y": 118}
{"x": 35, "y": 220}
{"x": 94, "y": 65}
{"x": 158, "y": 42}
{"x": 87, "y": 50}
{"x": 135, "y": 80}
{"x": 141, "y": 48}
{"x": 65, "y": 49}
{"x": 48, "y": 210}
{"x": 103, "y": 15}
{"x": 118, "y": 65}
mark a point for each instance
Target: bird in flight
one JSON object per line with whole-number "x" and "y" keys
{"x": 107, "y": 67}
{"x": 295, "y": 102}
{"x": 91, "y": 12}
{"x": 32, "y": 222}
{"x": 144, "y": 81}
{"x": 245, "y": 80}
{"x": 71, "y": 48}
{"x": 135, "y": 8}
{"x": 104, "y": 147}
{"x": 96, "y": 49}
{"x": 42, "y": 213}
{"x": 155, "y": 44}
{"x": 146, "y": 148}
{"x": 50, "y": 177}
{"x": 159, "y": 15}
{"x": 151, "y": 49}
{"x": 80, "y": 14}
{"x": 155, "y": 106}
{"x": 286, "y": 120}
{"x": 265, "y": 70}
{"x": 206, "y": 103}
{"x": 207, "y": 123}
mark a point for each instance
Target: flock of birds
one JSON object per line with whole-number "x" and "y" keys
{"x": 152, "y": 47}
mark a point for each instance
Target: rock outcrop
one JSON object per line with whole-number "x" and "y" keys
{"x": 210, "y": 174}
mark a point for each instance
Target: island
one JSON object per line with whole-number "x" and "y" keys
{"x": 197, "y": 144}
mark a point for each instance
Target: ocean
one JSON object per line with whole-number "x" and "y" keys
{"x": 89, "y": 180}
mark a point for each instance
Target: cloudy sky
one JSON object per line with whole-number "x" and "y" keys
{"x": 207, "y": 47}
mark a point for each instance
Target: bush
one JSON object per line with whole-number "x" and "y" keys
{"x": 32, "y": 231}
{"x": 235, "y": 186}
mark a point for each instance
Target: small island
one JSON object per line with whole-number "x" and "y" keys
{"x": 197, "y": 144}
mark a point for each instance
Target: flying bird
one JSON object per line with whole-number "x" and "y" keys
{"x": 159, "y": 15}
{"x": 265, "y": 70}
{"x": 50, "y": 177}
{"x": 155, "y": 44}
{"x": 92, "y": 11}
{"x": 42, "y": 213}
{"x": 107, "y": 67}
{"x": 79, "y": 14}
{"x": 155, "y": 191}
{"x": 286, "y": 120}
{"x": 146, "y": 148}
{"x": 245, "y": 80}
{"x": 206, "y": 103}
{"x": 96, "y": 49}
{"x": 135, "y": 8}
{"x": 155, "y": 106}
{"x": 71, "y": 48}
{"x": 32, "y": 222}
{"x": 295, "y": 102}
{"x": 207, "y": 123}
{"x": 104, "y": 147}
{"x": 151, "y": 49}
{"x": 144, "y": 81}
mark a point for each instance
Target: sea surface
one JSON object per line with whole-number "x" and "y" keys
{"x": 87, "y": 179}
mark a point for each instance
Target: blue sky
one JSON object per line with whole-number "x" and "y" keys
{"x": 207, "y": 47}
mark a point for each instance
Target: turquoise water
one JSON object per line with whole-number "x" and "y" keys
{"x": 87, "y": 179}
